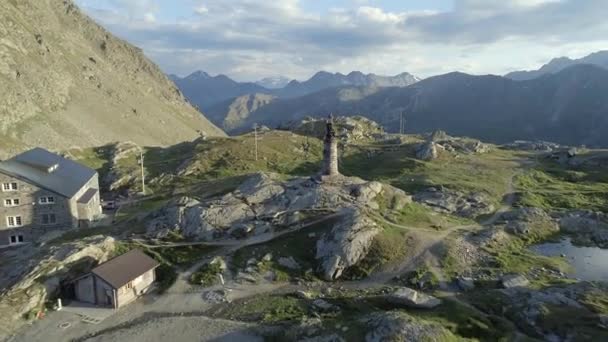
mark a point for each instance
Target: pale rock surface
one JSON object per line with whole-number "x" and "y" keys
{"x": 399, "y": 326}
{"x": 348, "y": 242}
{"x": 412, "y": 298}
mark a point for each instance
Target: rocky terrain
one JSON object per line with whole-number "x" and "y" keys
{"x": 37, "y": 282}
{"x": 436, "y": 248}
{"x": 68, "y": 82}
{"x": 263, "y": 204}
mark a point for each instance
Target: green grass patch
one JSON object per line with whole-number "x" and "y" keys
{"x": 390, "y": 245}
{"x": 264, "y": 308}
{"x": 488, "y": 173}
{"x": 206, "y": 275}
{"x": 553, "y": 186}
{"x": 301, "y": 245}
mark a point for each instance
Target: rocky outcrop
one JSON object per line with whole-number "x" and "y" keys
{"x": 586, "y": 226}
{"x": 524, "y": 145}
{"x": 348, "y": 242}
{"x": 413, "y": 299}
{"x": 447, "y": 143}
{"x": 264, "y": 202}
{"x": 533, "y": 310}
{"x": 123, "y": 168}
{"x": 529, "y": 221}
{"x": 40, "y": 272}
{"x": 399, "y": 326}
{"x": 349, "y": 130}
{"x": 427, "y": 151}
{"x": 452, "y": 202}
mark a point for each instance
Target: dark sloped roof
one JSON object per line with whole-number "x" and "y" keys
{"x": 87, "y": 196}
{"x": 124, "y": 268}
{"x": 66, "y": 177}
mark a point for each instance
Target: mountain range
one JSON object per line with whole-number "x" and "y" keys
{"x": 558, "y": 64}
{"x": 205, "y": 91}
{"x": 66, "y": 82}
{"x": 569, "y": 107}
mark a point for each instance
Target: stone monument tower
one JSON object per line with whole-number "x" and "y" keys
{"x": 330, "y": 151}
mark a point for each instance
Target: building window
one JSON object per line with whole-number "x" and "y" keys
{"x": 130, "y": 285}
{"x": 15, "y": 239}
{"x": 11, "y": 202}
{"x": 9, "y": 186}
{"x": 49, "y": 219}
{"x": 14, "y": 221}
{"x": 46, "y": 200}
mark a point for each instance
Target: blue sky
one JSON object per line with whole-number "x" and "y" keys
{"x": 251, "y": 39}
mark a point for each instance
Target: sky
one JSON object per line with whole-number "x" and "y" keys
{"x": 251, "y": 39}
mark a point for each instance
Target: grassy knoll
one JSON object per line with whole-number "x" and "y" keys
{"x": 550, "y": 185}
{"x": 488, "y": 173}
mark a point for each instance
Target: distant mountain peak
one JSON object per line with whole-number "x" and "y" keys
{"x": 556, "y": 65}
{"x": 198, "y": 75}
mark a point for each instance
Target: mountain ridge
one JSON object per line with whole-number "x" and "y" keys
{"x": 206, "y": 91}
{"x": 599, "y": 58}
{"x": 568, "y": 107}
{"x": 74, "y": 84}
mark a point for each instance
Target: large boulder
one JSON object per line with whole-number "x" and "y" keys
{"x": 413, "y": 299}
{"x": 427, "y": 151}
{"x": 586, "y": 227}
{"x": 399, "y": 326}
{"x": 346, "y": 244}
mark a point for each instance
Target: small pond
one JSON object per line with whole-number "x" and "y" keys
{"x": 589, "y": 263}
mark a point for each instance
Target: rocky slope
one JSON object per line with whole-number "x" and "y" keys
{"x": 66, "y": 81}
{"x": 231, "y": 114}
{"x": 599, "y": 58}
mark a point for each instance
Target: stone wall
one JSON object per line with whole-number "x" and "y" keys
{"x": 31, "y": 210}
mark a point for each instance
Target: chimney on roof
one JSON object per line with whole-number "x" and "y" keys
{"x": 44, "y": 167}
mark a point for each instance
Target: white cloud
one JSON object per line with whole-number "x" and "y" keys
{"x": 149, "y": 18}
{"x": 201, "y": 10}
{"x": 255, "y": 38}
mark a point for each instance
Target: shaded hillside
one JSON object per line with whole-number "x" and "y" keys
{"x": 558, "y": 64}
{"x": 569, "y": 107}
{"x": 232, "y": 113}
{"x": 65, "y": 81}
{"x": 205, "y": 91}
{"x": 210, "y": 93}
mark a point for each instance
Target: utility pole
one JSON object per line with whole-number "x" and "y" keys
{"x": 401, "y": 123}
{"x": 143, "y": 177}
{"x": 255, "y": 130}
